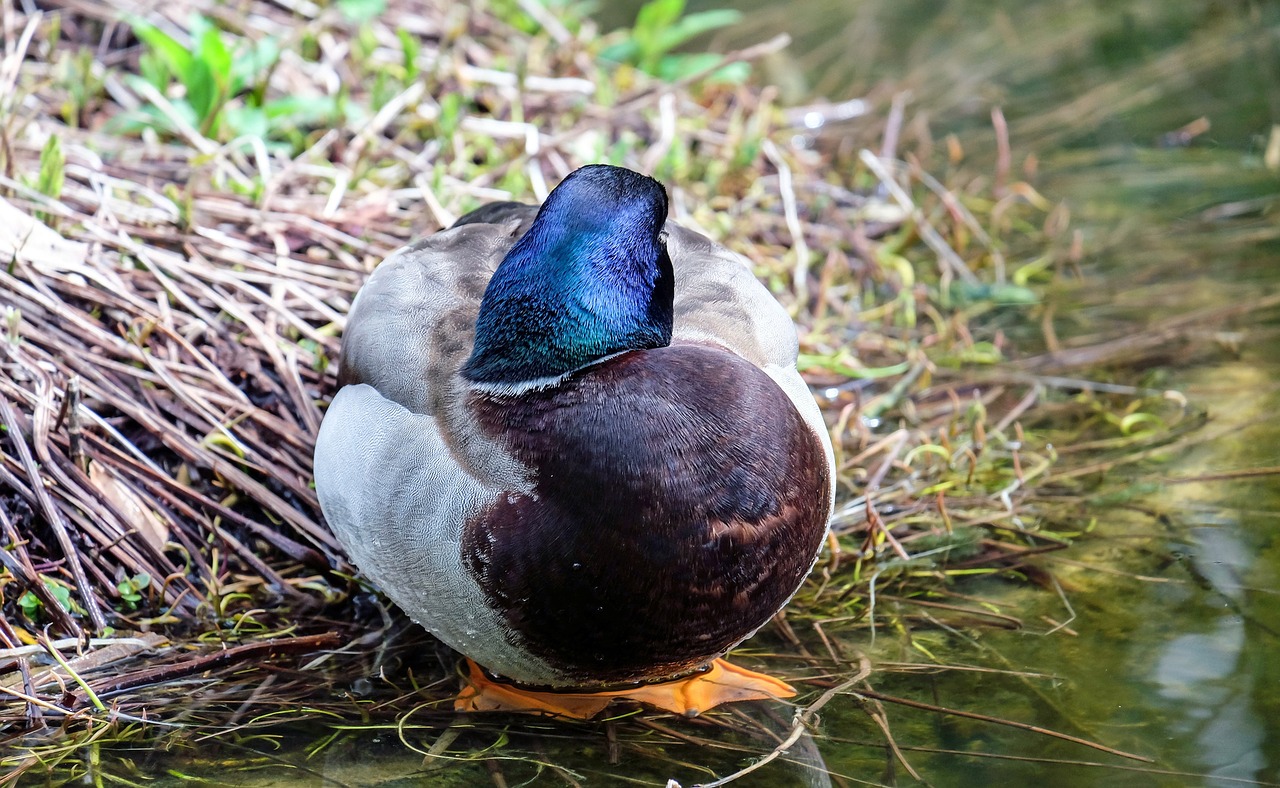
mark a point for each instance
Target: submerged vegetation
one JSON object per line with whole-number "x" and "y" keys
{"x": 188, "y": 203}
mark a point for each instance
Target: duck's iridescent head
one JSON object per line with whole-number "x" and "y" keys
{"x": 591, "y": 278}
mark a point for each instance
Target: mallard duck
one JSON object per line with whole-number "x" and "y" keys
{"x": 571, "y": 442}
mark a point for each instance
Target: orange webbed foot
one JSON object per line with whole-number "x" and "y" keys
{"x": 722, "y": 682}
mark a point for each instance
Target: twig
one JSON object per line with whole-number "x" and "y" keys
{"x": 893, "y": 126}
{"x": 234, "y": 655}
{"x": 998, "y": 721}
{"x": 1003, "y": 157}
{"x": 799, "y": 247}
{"x": 946, "y": 255}
{"x": 56, "y": 521}
{"x": 747, "y": 54}
{"x": 799, "y": 725}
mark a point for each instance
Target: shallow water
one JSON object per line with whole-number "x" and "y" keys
{"x": 1172, "y": 615}
{"x": 1165, "y": 638}
{"x": 1172, "y": 612}
{"x": 1173, "y": 606}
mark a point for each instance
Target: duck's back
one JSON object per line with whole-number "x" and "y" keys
{"x": 499, "y": 523}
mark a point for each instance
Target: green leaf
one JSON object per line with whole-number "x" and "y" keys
{"x": 695, "y": 25}
{"x": 967, "y": 293}
{"x": 60, "y": 593}
{"x": 212, "y": 51}
{"x": 149, "y": 117}
{"x": 733, "y": 74}
{"x": 131, "y": 589}
{"x": 302, "y": 110}
{"x": 660, "y": 28}
{"x": 1025, "y": 273}
{"x": 29, "y": 604}
{"x": 52, "y": 168}
{"x": 254, "y": 63}
{"x": 411, "y": 47}
{"x": 658, "y": 15}
{"x": 652, "y": 20}
{"x": 848, "y": 367}
{"x": 174, "y": 55}
{"x": 246, "y": 121}
{"x": 450, "y": 113}
{"x": 361, "y": 10}
{"x": 627, "y": 51}
{"x": 927, "y": 448}
{"x": 203, "y": 93}
{"x": 981, "y": 353}
{"x": 673, "y": 68}
{"x": 155, "y": 70}
{"x": 1140, "y": 421}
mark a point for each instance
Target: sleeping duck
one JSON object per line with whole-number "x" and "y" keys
{"x": 572, "y": 443}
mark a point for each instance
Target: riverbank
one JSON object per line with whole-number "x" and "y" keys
{"x": 192, "y": 201}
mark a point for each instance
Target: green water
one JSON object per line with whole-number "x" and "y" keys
{"x": 1170, "y": 648}
{"x": 1181, "y": 664}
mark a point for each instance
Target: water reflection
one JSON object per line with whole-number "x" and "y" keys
{"x": 1178, "y": 660}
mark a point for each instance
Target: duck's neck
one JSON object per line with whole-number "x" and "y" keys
{"x": 590, "y": 279}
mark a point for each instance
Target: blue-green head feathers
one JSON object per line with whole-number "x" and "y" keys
{"x": 590, "y": 278}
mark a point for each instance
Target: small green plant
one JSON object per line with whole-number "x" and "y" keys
{"x": 31, "y": 606}
{"x": 131, "y": 589}
{"x": 223, "y": 86}
{"x": 53, "y": 163}
{"x": 568, "y": 13}
{"x": 81, "y": 77}
{"x": 12, "y": 324}
{"x": 661, "y": 27}
{"x": 52, "y": 169}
